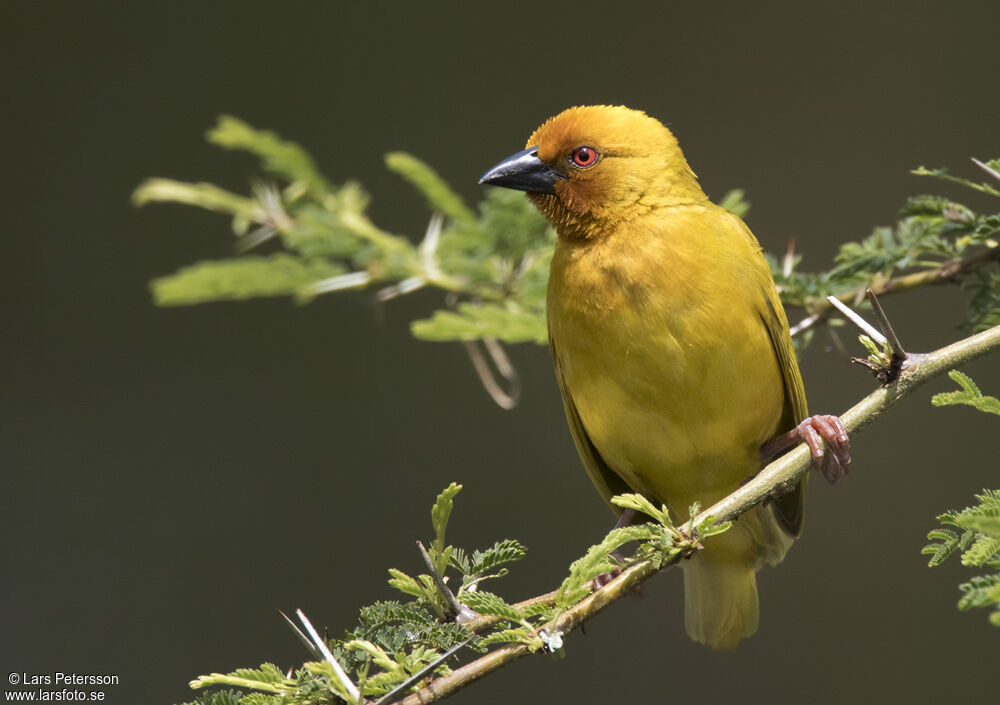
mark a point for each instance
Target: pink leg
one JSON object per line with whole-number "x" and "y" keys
{"x": 813, "y": 432}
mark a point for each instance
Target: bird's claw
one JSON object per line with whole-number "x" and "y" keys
{"x": 813, "y": 432}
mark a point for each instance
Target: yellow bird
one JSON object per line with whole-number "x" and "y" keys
{"x": 670, "y": 345}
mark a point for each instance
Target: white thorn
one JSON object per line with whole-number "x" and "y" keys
{"x": 403, "y": 287}
{"x": 806, "y": 322}
{"x": 992, "y": 172}
{"x": 345, "y": 682}
{"x": 857, "y": 320}
{"x": 428, "y": 247}
{"x": 354, "y": 280}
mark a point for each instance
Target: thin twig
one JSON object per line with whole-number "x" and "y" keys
{"x": 948, "y": 272}
{"x": 782, "y": 473}
{"x": 503, "y": 399}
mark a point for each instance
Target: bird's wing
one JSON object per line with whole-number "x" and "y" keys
{"x": 606, "y": 480}
{"x": 788, "y": 509}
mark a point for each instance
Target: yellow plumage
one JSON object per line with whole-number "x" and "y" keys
{"x": 671, "y": 347}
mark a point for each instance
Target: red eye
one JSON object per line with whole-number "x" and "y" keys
{"x": 584, "y": 157}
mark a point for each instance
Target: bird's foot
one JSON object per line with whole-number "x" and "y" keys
{"x": 605, "y": 578}
{"x": 813, "y": 432}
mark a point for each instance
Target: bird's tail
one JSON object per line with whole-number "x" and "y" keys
{"x": 720, "y": 601}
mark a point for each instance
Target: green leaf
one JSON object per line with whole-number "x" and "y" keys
{"x": 493, "y": 605}
{"x": 985, "y": 548}
{"x": 969, "y": 395}
{"x": 440, "y": 513}
{"x": 640, "y": 504}
{"x": 320, "y": 232}
{"x": 439, "y": 195}
{"x": 597, "y": 561}
{"x": 405, "y": 584}
{"x": 459, "y": 560}
{"x": 398, "y": 628}
{"x": 224, "y": 697}
{"x": 507, "y": 636}
{"x": 506, "y": 249}
{"x": 947, "y": 544}
{"x": 207, "y": 196}
{"x": 735, "y": 202}
{"x": 506, "y": 551}
{"x": 278, "y": 156}
{"x": 268, "y": 678}
{"x": 263, "y": 699}
{"x": 478, "y": 321}
{"x": 710, "y": 527}
{"x": 241, "y": 278}
{"x": 981, "y": 591}
{"x": 979, "y": 544}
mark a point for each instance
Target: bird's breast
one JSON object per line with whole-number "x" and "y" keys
{"x": 667, "y": 362}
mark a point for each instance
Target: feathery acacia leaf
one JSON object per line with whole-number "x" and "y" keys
{"x": 229, "y": 697}
{"x": 979, "y": 546}
{"x": 439, "y": 195}
{"x": 969, "y": 395}
{"x": 490, "y": 604}
{"x": 277, "y": 156}
{"x": 478, "y": 321}
{"x": 241, "y": 278}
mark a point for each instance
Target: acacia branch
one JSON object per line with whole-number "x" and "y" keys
{"x": 781, "y": 475}
{"x": 952, "y": 271}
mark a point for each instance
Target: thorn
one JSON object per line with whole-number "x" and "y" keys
{"x": 894, "y": 345}
{"x": 353, "y": 280}
{"x": 885, "y": 372}
{"x": 462, "y": 613}
{"x": 345, "y": 682}
{"x": 255, "y": 237}
{"x": 789, "y": 261}
{"x": 390, "y": 697}
{"x": 805, "y": 323}
{"x": 403, "y": 287}
{"x": 992, "y": 172}
{"x": 428, "y": 247}
{"x": 857, "y": 320}
{"x": 302, "y": 637}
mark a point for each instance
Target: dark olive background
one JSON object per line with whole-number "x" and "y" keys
{"x": 171, "y": 476}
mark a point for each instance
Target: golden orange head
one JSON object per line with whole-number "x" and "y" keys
{"x": 591, "y": 167}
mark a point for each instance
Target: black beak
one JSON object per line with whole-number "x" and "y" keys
{"x": 523, "y": 171}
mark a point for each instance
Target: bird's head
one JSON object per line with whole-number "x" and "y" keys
{"x": 591, "y": 167}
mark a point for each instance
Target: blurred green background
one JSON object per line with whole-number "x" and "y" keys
{"x": 171, "y": 476}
